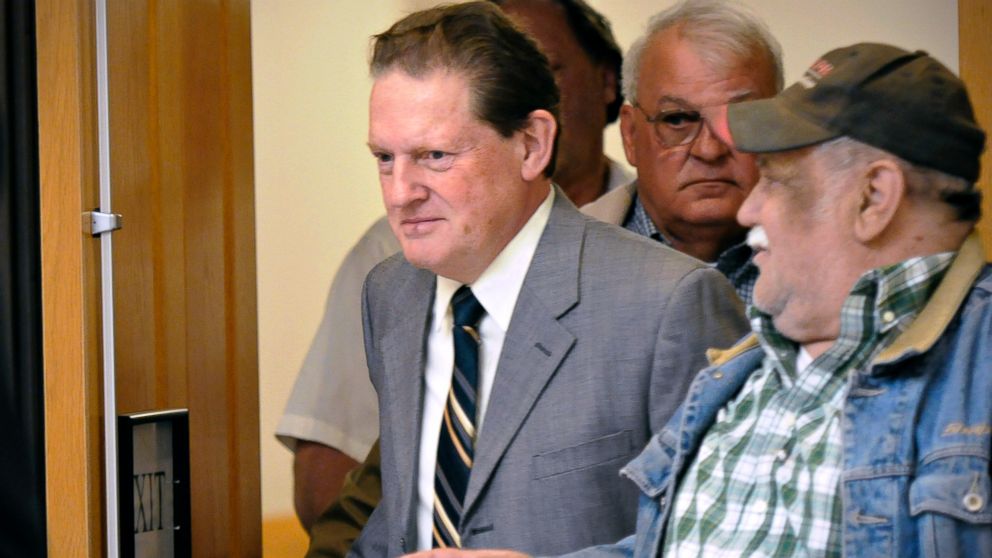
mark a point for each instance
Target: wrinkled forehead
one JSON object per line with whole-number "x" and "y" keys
{"x": 433, "y": 85}
{"x": 404, "y": 105}
{"x": 698, "y": 89}
{"x": 681, "y": 70}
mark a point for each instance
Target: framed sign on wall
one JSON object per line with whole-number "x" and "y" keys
{"x": 153, "y": 479}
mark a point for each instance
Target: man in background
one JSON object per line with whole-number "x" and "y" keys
{"x": 330, "y": 419}
{"x": 693, "y": 56}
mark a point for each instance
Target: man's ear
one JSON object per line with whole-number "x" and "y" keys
{"x": 538, "y": 143}
{"x": 627, "y": 126}
{"x": 879, "y": 199}
{"x": 609, "y": 84}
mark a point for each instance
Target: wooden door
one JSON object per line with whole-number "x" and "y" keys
{"x": 975, "y": 60}
{"x": 184, "y": 262}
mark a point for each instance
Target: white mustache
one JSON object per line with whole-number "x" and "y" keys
{"x": 757, "y": 239}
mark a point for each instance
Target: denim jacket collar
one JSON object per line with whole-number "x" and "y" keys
{"x": 928, "y": 327}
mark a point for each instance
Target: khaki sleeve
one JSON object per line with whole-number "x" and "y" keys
{"x": 339, "y": 526}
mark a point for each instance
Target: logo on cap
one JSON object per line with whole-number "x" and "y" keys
{"x": 819, "y": 70}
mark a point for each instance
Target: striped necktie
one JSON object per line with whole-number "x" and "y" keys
{"x": 456, "y": 445}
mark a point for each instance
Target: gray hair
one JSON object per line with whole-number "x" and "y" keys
{"x": 844, "y": 155}
{"x": 721, "y": 28}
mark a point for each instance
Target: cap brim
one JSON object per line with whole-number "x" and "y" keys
{"x": 767, "y": 125}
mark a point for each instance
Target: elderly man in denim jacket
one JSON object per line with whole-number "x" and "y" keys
{"x": 856, "y": 419}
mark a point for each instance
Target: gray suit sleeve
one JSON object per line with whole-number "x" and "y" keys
{"x": 621, "y": 549}
{"x": 703, "y": 312}
{"x": 369, "y": 336}
{"x": 374, "y": 537}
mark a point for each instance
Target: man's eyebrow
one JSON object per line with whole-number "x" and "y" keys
{"x": 741, "y": 95}
{"x": 674, "y": 100}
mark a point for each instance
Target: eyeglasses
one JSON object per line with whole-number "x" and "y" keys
{"x": 677, "y": 127}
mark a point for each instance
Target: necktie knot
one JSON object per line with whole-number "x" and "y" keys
{"x": 466, "y": 308}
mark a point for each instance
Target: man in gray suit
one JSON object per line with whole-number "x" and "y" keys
{"x": 515, "y": 371}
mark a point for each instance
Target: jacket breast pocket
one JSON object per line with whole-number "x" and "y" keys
{"x": 950, "y": 500}
{"x": 583, "y": 456}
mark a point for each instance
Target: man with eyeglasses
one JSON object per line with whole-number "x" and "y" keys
{"x": 693, "y": 58}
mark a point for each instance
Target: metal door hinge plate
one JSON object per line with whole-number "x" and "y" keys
{"x": 97, "y": 223}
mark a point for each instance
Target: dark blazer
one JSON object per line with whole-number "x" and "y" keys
{"x": 607, "y": 333}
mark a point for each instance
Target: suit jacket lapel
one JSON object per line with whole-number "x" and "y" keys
{"x": 535, "y": 343}
{"x": 614, "y": 205}
{"x": 404, "y": 358}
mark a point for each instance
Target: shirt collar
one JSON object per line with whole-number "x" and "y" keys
{"x": 639, "y": 222}
{"x": 499, "y": 285}
{"x": 883, "y": 303}
{"x": 733, "y": 259}
{"x": 730, "y": 260}
{"x": 931, "y": 323}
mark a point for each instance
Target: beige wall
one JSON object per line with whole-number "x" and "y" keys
{"x": 316, "y": 188}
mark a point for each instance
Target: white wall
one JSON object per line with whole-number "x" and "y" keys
{"x": 316, "y": 187}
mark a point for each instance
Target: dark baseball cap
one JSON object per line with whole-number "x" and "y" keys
{"x": 906, "y": 103}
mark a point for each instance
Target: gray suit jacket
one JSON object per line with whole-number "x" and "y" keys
{"x": 607, "y": 333}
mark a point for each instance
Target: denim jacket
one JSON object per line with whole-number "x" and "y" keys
{"x": 916, "y": 428}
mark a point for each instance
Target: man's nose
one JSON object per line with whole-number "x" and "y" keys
{"x": 708, "y": 146}
{"x": 405, "y": 184}
{"x": 747, "y": 214}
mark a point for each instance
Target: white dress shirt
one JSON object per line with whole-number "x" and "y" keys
{"x": 497, "y": 290}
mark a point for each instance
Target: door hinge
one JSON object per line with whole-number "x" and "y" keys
{"x": 97, "y": 223}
